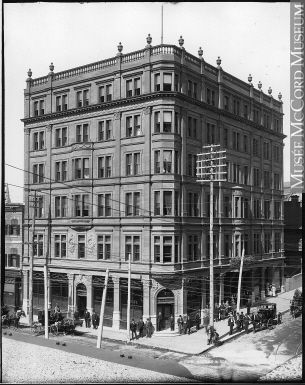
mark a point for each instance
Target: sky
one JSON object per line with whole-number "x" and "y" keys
{"x": 249, "y": 37}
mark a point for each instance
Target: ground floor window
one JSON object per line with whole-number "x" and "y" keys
{"x": 136, "y": 301}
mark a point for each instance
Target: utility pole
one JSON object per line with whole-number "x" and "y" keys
{"x": 162, "y": 24}
{"x": 128, "y": 297}
{"x": 32, "y": 262}
{"x": 100, "y": 328}
{"x": 209, "y": 169}
{"x": 46, "y": 286}
{"x": 239, "y": 280}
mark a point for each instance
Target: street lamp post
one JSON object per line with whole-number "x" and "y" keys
{"x": 209, "y": 168}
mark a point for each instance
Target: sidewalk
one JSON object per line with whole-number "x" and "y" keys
{"x": 194, "y": 343}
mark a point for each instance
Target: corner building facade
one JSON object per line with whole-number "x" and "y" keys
{"x": 111, "y": 147}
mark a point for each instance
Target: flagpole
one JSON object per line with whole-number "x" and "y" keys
{"x": 162, "y": 24}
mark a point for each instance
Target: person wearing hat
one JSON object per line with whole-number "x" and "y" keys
{"x": 231, "y": 323}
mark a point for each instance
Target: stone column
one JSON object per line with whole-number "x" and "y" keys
{"x": 146, "y": 298}
{"x": 49, "y": 288}
{"x": 71, "y": 305}
{"x": 221, "y": 288}
{"x": 252, "y": 286}
{"x": 263, "y": 284}
{"x": 89, "y": 287}
{"x": 183, "y": 304}
{"x": 116, "y": 303}
{"x": 203, "y": 299}
{"x": 25, "y": 291}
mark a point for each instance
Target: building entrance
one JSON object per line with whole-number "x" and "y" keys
{"x": 81, "y": 299}
{"x": 165, "y": 306}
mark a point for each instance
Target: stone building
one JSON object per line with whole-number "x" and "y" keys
{"x": 112, "y": 146}
{"x": 12, "y": 289}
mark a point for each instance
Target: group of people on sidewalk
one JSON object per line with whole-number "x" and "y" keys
{"x": 93, "y": 319}
{"x": 142, "y": 328}
{"x": 185, "y": 323}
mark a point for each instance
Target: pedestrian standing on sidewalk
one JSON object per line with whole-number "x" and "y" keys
{"x": 172, "y": 322}
{"x": 188, "y": 324}
{"x": 197, "y": 321}
{"x": 248, "y": 307}
{"x": 242, "y": 317}
{"x": 141, "y": 327}
{"x": 206, "y": 322}
{"x": 94, "y": 319}
{"x": 180, "y": 324}
{"x": 231, "y": 323}
{"x": 159, "y": 319}
{"x": 133, "y": 328}
{"x": 247, "y": 320}
{"x": 87, "y": 318}
{"x": 148, "y": 326}
{"x": 237, "y": 321}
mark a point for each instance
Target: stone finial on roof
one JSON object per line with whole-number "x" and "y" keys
{"x": 250, "y": 79}
{"x": 200, "y": 52}
{"x": 30, "y": 73}
{"x": 148, "y": 40}
{"x": 280, "y": 96}
{"x": 259, "y": 85}
{"x": 51, "y": 66}
{"x": 218, "y": 62}
{"x": 120, "y": 48}
{"x": 181, "y": 41}
{"x": 269, "y": 90}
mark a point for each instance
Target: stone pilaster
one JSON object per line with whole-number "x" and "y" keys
{"x": 89, "y": 287}
{"x": 71, "y": 305}
{"x": 263, "y": 283}
{"x": 221, "y": 288}
{"x": 116, "y": 303}
{"x": 146, "y": 298}
{"x": 25, "y": 291}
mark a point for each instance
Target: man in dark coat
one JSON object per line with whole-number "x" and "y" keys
{"x": 172, "y": 322}
{"x": 94, "y": 319}
{"x": 248, "y": 307}
{"x": 180, "y": 324}
{"x": 206, "y": 321}
{"x": 87, "y": 318}
{"x": 188, "y": 324}
{"x": 197, "y": 321}
{"x": 159, "y": 320}
{"x": 141, "y": 327}
{"x": 246, "y": 323}
{"x": 149, "y": 327}
{"x": 231, "y": 323}
{"x": 133, "y": 328}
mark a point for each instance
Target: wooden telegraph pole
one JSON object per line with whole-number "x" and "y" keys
{"x": 32, "y": 262}
{"x": 102, "y": 312}
{"x": 239, "y": 280}
{"x": 210, "y": 165}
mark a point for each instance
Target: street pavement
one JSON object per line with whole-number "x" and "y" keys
{"x": 196, "y": 342}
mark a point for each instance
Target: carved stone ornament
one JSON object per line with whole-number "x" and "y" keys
{"x": 117, "y": 115}
{"x": 86, "y": 280}
{"x": 91, "y": 244}
{"x": 72, "y": 244}
{"x": 147, "y": 110}
{"x": 49, "y": 127}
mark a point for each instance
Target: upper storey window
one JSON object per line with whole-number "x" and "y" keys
{"x": 236, "y": 107}
{"x": 105, "y": 93}
{"x": 210, "y": 97}
{"x": 82, "y": 133}
{"x": 61, "y": 103}
{"x": 61, "y": 138}
{"x": 192, "y": 89}
{"x": 38, "y": 141}
{"x": 256, "y": 116}
{"x": 39, "y": 107}
{"x": 82, "y": 98}
{"x": 167, "y": 82}
{"x": 133, "y": 126}
{"x": 226, "y": 103}
{"x": 133, "y": 87}
{"x": 163, "y": 121}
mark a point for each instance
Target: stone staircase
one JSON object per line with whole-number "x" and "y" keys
{"x": 166, "y": 333}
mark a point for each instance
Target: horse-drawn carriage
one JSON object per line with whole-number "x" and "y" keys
{"x": 266, "y": 317}
{"x": 56, "y": 322}
{"x": 11, "y": 318}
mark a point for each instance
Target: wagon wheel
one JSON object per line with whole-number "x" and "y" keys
{"x": 270, "y": 323}
{"x": 35, "y": 328}
{"x": 54, "y": 330}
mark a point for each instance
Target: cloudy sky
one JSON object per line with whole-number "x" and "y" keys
{"x": 249, "y": 38}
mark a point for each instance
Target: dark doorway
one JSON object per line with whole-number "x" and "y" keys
{"x": 81, "y": 299}
{"x": 165, "y": 306}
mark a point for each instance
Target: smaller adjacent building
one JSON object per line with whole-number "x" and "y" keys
{"x": 293, "y": 235}
{"x": 12, "y": 292}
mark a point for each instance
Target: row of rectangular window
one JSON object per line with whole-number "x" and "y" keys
{"x": 163, "y": 123}
{"x": 166, "y": 249}
{"x": 167, "y": 203}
